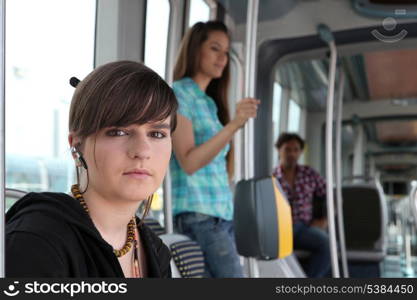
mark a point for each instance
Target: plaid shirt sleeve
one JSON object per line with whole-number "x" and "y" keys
{"x": 184, "y": 102}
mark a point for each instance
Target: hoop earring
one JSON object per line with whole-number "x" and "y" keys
{"x": 80, "y": 163}
{"x": 78, "y": 157}
{"x": 147, "y": 208}
{"x": 77, "y": 170}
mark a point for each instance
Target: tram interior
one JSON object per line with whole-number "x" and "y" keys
{"x": 379, "y": 119}
{"x": 376, "y": 81}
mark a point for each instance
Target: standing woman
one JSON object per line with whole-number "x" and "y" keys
{"x": 121, "y": 118}
{"x": 202, "y": 162}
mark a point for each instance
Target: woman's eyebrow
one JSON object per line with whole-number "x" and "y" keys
{"x": 218, "y": 44}
{"x": 160, "y": 126}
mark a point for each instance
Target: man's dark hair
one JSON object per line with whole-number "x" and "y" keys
{"x": 285, "y": 137}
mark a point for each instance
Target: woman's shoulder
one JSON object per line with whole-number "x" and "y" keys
{"x": 47, "y": 235}
{"x": 36, "y": 236}
{"x": 186, "y": 88}
{"x": 33, "y": 255}
{"x": 186, "y": 94}
{"x": 46, "y": 215}
{"x": 185, "y": 82}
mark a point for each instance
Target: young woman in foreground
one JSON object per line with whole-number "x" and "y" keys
{"x": 121, "y": 119}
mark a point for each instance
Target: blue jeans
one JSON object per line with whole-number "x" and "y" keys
{"x": 316, "y": 241}
{"x": 217, "y": 241}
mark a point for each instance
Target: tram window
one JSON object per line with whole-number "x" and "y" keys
{"x": 199, "y": 12}
{"x": 156, "y": 40}
{"x": 44, "y": 48}
{"x": 276, "y": 112}
{"x": 294, "y": 117}
{"x": 156, "y": 35}
{"x": 9, "y": 202}
{"x": 395, "y": 188}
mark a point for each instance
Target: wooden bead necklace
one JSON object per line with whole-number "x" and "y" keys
{"x": 131, "y": 236}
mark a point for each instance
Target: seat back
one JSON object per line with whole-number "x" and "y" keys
{"x": 12, "y": 195}
{"x": 262, "y": 219}
{"x": 187, "y": 258}
{"x": 365, "y": 217}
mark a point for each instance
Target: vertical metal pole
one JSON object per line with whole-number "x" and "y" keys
{"x": 173, "y": 34}
{"x": 413, "y": 202}
{"x": 408, "y": 270}
{"x": 327, "y": 36}
{"x": 248, "y": 131}
{"x": 338, "y": 161}
{"x": 329, "y": 161}
{"x": 2, "y": 131}
{"x": 250, "y": 66}
{"x": 358, "y": 153}
{"x": 237, "y": 138}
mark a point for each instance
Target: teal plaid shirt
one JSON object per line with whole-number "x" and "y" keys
{"x": 206, "y": 191}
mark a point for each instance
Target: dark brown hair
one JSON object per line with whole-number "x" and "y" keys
{"x": 285, "y": 137}
{"x": 187, "y": 65}
{"x": 188, "y": 61}
{"x": 120, "y": 94}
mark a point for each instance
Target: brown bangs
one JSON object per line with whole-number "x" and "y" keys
{"x": 120, "y": 94}
{"x": 136, "y": 99}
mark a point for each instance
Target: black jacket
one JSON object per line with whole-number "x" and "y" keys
{"x": 50, "y": 235}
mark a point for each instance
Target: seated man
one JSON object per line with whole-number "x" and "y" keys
{"x": 302, "y": 184}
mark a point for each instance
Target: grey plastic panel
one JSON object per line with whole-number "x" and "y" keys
{"x": 255, "y": 218}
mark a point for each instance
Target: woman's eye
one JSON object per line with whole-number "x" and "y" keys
{"x": 215, "y": 49}
{"x": 158, "y": 134}
{"x": 116, "y": 132}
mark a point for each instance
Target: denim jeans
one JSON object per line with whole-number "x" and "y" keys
{"x": 216, "y": 239}
{"x": 316, "y": 241}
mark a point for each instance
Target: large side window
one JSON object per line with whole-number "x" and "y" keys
{"x": 156, "y": 35}
{"x": 47, "y": 42}
{"x": 199, "y": 12}
{"x": 294, "y": 117}
{"x": 276, "y": 116}
{"x": 156, "y": 39}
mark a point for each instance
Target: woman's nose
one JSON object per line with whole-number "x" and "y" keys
{"x": 223, "y": 58}
{"x": 140, "y": 148}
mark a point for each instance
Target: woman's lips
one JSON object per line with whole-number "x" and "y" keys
{"x": 138, "y": 173}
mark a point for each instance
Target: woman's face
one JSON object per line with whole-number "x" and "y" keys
{"x": 128, "y": 163}
{"x": 214, "y": 54}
